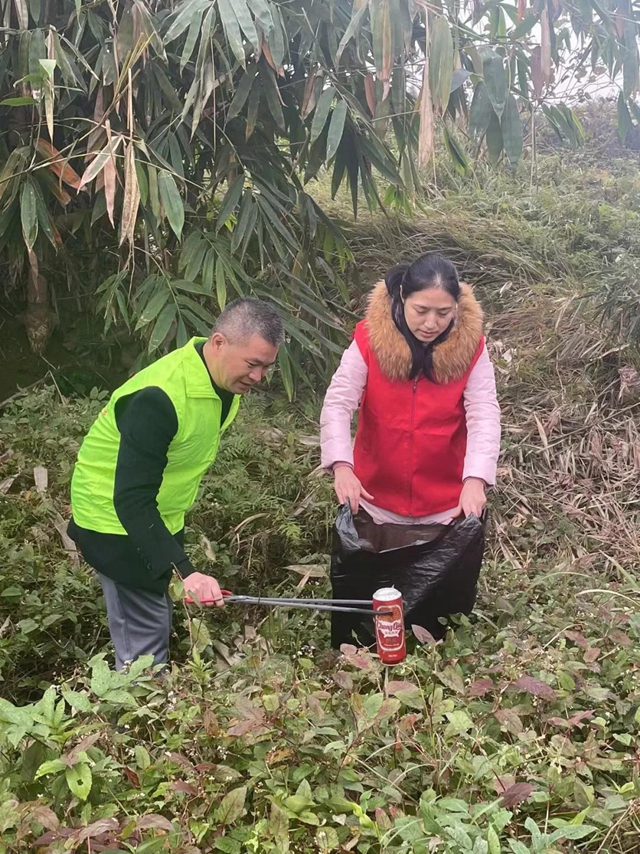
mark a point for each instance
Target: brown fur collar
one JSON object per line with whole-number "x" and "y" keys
{"x": 451, "y": 359}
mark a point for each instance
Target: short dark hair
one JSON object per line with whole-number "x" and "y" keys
{"x": 428, "y": 271}
{"x": 249, "y": 316}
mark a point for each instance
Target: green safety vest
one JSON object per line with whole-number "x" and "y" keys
{"x": 183, "y": 376}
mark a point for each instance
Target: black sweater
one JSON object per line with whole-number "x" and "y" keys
{"x": 146, "y": 555}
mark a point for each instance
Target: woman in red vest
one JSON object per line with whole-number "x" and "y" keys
{"x": 428, "y": 434}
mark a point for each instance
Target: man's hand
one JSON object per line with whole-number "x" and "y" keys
{"x": 348, "y": 487}
{"x": 472, "y": 498}
{"x": 204, "y": 589}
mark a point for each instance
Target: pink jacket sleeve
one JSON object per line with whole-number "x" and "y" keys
{"x": 340, "y": 404}
{"x": 483, "y": 422}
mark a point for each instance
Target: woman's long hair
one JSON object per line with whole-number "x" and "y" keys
{"x": 427, "y": 271}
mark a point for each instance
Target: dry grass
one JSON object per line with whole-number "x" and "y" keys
{"x": 571, "y": 464}
{"x": 569, "y": 488}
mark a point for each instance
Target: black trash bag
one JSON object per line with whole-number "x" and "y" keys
{"x": 435, "y": 567}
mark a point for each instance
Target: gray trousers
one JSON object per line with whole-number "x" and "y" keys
{"x": 139, "y": 622}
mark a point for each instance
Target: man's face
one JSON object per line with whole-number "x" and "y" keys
{"x": 240, "y": 366}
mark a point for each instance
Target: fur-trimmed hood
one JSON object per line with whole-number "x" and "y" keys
{"x": 451, "y": 358}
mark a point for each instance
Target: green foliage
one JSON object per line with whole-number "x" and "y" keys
{"x": 128, "y": 129}
{"x": 515, "y": 734}
{"x": 253, "y": 519}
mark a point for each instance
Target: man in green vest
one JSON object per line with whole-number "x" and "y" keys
{"x": 142, "y": 461}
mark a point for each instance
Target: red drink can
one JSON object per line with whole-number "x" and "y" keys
{"x": 392, "y": 648}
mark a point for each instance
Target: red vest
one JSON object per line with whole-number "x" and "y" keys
{"x": 411, "y": 439}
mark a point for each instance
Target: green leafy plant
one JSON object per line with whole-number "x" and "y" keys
{"x": 158, "y": 158}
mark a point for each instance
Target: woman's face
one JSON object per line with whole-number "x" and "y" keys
{"x": 429, "y": 312}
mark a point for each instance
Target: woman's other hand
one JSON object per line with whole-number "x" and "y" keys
{"x": 472, "y": 498}
{"x": 348, "y": 487}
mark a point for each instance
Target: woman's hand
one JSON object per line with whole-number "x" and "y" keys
{"x": 348, "y": 487}
{"x": 472, "y": 498}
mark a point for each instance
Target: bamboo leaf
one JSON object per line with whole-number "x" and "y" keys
{"x": 246, "y": 23}
{"x": 98, "y": 163}
{"x": 131, "y": 197}
{"x": 110, "y": 175}
{"x": 221, "y": 284}
{"x": 381, "y": 159}
{"x": 190, "y": 42}
{"x": 164, "y": 84}
{"x": 277, "y": 40}
{"x": 162, "y": 326}
{"x": 18, "y": 102}
{"x": 58, "y": 164}
{"x": 545, "y": 44}
{"x": 189, "y": 286}
{"x": 480, "y": 112}
{"x": 54, "y": 187}
{"x": 352, "y": 29}
{"x": 554, "y": 120}
{"x": 48, "y": 66}
{"x": 196, "y": 260}
{"x": 273, "y": 221}
{"x": 630, "y": 67}
{"x": 262, "y": 12}
{"x": 272, "y": 93}
{"x": 524, "y": 27}
{"x": 336, "y": 128}
{"x": 321, "y": 113}
{"x": 339, "y": 168}
{"x": 230, "y": 201}
{"x": 441, "y": 63}
{"x": 459, "y": 76}
{"x": 426, "y": 139}
{"x": 182, "y": 336}
{"x": 523, "y": 77}
{"x": 189, "y": 11}
{"x": 625, "y": 123}
{"x": 512, "y": 136}
{"x": 197, "y": 324}
{"x": 284, "y": 363}
{"x": 494, "y": 139}
{"x": 45, "y": 220}
{"x": 171, "y": 201}
{"x": 495, "y": 79}
{"x": 196, "y": 309}
{"x": 370, "y": 93}
{"x": 22, "y": 13}
{"x": 143, "y": 183}
{"x": 252, "y": 109}
{"x": 383, "y": 47}
{"x": 232, "y": 29}
{"x": 149, "y": 28}
{"x": 242, "y": 93}
{"x": 310, "y": 95}
{"x": 98, "y": 211}
{"x": 571, "y": 125}
{"x": 246, "y": 220}
{"x": 49, "y": 98}
{"x": 191, "y": 247}
{"x": 208, "y": 270}
{"x": 28, "y": 213}
{"x": 156, "y": 303}
{"x": 154, "y": 196}
{"x": 456, "y": 152}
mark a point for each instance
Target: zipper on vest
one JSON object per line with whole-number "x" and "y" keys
{"x": 412, "y": 425}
